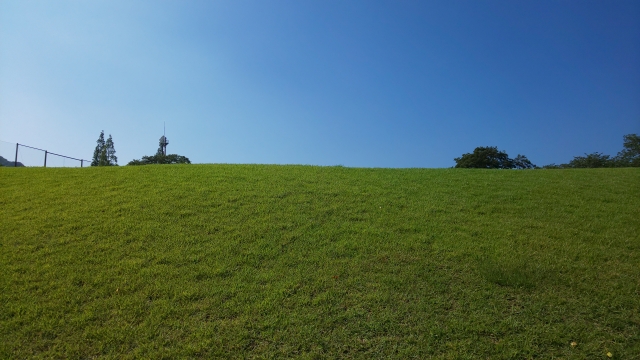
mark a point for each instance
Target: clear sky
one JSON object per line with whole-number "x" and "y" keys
{"x": 327, "y": 82}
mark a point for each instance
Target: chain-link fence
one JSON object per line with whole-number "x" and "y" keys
{"x": 24, "y": 155}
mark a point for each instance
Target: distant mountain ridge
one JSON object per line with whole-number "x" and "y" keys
{"x": 5, "y": 162}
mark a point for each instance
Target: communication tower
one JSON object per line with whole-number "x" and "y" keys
{"x": 164, "y": 141}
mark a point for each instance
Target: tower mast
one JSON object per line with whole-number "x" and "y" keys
{"x": 163, "y": 140}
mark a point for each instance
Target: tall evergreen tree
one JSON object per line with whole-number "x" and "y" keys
{"x": 100, "y": 143}
{"x": 111, "y": 158}
{"x": 103, "y": 160}
{"x": 104, "y": 153}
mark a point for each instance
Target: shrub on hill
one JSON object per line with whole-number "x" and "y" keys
{"x": 161, "y": 159}
{"x": 491, "y": 158}
{"x": 595, "y": 160}
{"x": 628, "y": 157}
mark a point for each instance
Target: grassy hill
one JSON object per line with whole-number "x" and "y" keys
{"x": 319, "y": 262}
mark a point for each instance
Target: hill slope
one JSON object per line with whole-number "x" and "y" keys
{"x": 301, "y": 261}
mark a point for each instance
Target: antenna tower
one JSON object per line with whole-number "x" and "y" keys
{"x": 163, "y": 140}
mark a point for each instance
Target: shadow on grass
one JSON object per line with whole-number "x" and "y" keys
{"x": 516, "y": 272}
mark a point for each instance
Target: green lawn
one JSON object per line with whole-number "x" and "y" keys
{"x": 266, "y": 261}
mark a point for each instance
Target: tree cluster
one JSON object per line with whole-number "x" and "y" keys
{"x": 490, "y": 157}
{"x": 628, "y": 157}
{"x": 105, "y": 152}
{"x": 160, "y": 157}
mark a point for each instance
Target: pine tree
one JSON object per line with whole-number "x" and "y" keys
{"x": 105, "y": 152}
{"x": 111, "y": 158}
{"x": 103, "y": 160}
{"x": 98, "y": 151}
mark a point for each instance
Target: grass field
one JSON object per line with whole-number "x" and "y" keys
{"x": 253, "y": 261}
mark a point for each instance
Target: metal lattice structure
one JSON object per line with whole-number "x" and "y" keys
{"x": 164, "y": 141}
{"x": 163, "y": 144}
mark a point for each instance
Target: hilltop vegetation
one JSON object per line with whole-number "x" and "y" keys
{"x": 629, "y": 156}
{"x": 5, "y": 162}
{"x": 201, "y": 261}
{"x": 489, "y": 157}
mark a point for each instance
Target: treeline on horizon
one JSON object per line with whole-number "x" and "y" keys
{"x": 482, "y": 157}
{"x": 491, "y": 158}
{"x": 629, "y": 156}
{"x": 488, "y": 157}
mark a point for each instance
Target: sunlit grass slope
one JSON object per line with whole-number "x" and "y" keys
{"x": 260, "y": 261}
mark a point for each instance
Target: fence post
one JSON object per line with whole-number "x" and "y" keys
{"x": 15, "y": 164}
{"x": 45, "y": 158}
{"x": 81, "y": 162}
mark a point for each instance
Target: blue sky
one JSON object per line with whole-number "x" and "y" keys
{"x": 353, "y": 83}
